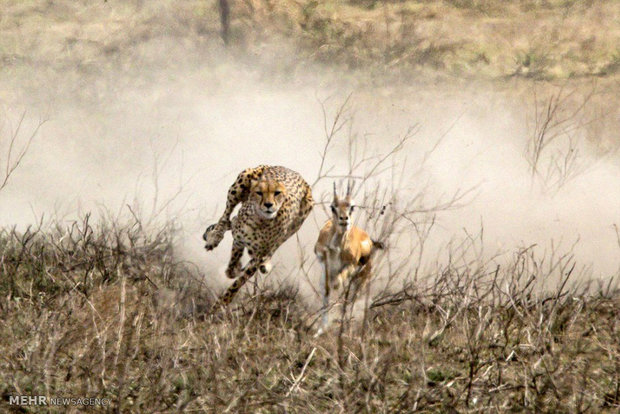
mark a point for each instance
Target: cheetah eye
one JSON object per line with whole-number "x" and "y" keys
{"x": 260, "y": 193}
{"x": 277, "y": 193}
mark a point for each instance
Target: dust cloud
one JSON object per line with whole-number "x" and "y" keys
{"x": 169, "y": 140}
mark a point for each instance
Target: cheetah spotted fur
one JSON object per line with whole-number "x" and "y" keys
{"x": 275, "y": 202}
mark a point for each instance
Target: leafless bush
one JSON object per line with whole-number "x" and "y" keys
{"x": 16, "y": 144}
{"x": 482, "y": 337}
{"x": 556, "y": 151}
{"x": 387, "y": 213}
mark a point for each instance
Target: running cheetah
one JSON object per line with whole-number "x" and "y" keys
{"x": 275, "y": 203}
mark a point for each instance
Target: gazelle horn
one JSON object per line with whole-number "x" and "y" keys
{"x": 350, "y": 185}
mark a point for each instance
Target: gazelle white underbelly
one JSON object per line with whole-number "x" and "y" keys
{"x": 334, "y": 265}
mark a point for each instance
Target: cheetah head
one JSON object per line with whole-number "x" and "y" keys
{"x": 267, "y": 195}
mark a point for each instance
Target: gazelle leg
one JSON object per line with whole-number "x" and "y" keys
{"x": 325, "y": 293}
{"x": 326, "y": 286}
{"x": 361, "y": 275}
{"x": 346, "y": 276}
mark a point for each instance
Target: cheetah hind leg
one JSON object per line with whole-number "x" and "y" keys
{"x": 234, "y": 265}
{"x": 266, "y": 266}
{"x": 228, "y": 296}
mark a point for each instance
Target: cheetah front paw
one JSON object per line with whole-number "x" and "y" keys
{"x": 213, "y": 236}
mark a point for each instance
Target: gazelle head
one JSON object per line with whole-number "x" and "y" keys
{"x": 342, "y": 208}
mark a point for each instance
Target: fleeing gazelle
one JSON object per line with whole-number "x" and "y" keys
{"x": 344, "y": 251}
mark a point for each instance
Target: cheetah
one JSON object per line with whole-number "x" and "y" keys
{"x": 275, "y": 202}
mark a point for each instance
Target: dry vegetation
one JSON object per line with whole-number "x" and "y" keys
{"x": 105, "y": 308}
{"x": 548, "y": 39}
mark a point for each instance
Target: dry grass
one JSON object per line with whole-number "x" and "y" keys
{"x": 488, "y": 39}
{"x": 105, "y": 311}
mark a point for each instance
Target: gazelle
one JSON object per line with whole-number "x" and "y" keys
{"x": 344, "y": 251}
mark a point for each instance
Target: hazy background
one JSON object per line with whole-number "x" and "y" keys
{"x": 164, "y": 123}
